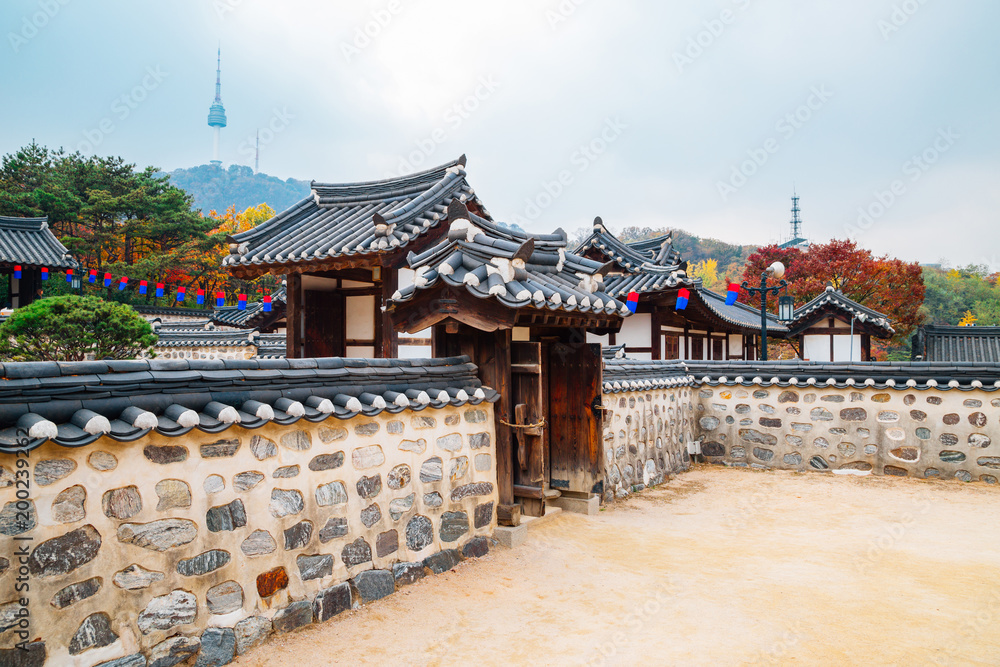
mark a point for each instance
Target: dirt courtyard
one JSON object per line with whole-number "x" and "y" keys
{"x": 719, "y": 566}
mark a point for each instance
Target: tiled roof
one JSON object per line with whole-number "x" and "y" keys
{"x": 637, "y": 375}
{"x": 652, "y": 261}
{"x": 253, "y": 314}
{"x": 271, "y": 346}
{"x": 738, "y": 314}
{"x": 879, "y": 374}
{"x": 613, "y": 351}
{"x": 29, "y": 242}
{"x": 186, "y": 337}
{"x": 518, "y": 270}
{"x": 191, "y": 313}
{"x": 951, "y": 343}
{"x": 831, "y": 299}
{"x": 353, "y": 219}
{"x": 75, "y": 403}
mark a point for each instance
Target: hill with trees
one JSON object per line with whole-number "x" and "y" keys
{"x": 216, "y": 189}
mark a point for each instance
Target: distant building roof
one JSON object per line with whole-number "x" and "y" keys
{"x": 632, "y": 257}
{"x": 359, "y": 221}
{"x": 271, "y": 346}
{"x": 253, "y": 315}
{"x": 957, "y": 344}
{"x": 832, "y": 301}
{"x": 173, "y": 337}
{"x": 30, "y": 242}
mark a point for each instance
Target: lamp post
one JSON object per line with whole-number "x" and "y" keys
{"x": 776, "y": 271}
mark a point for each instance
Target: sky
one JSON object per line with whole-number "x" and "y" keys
{"x": 699, "y": 115}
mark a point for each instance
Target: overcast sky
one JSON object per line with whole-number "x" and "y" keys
{"x": 697, "y": 115}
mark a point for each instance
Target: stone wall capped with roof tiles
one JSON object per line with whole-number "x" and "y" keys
{"x": 204, "y": 545}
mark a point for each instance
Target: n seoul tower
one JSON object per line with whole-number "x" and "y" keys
{"x": 217, "y": 112}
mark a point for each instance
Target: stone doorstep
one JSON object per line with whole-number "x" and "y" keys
{"x": 514, "y": 536}
{"x": 590, "y": 505}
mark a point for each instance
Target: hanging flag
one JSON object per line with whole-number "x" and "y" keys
{"x": 17, "y": 271}
{"x": 180, "y": 293}
{"x": 201, "y": 296}
{"x": 45, "y": 273}
{"x": 732, "y": 294}
{"x": 241, "y": 302}
{"x": 122, "y": 283}
{"x": 107, "y": 280}
{"x": 143, "y": 285}
{"x": 92, "y": 276}
{"x": 159, "y": 290}
{"x": 267, "y": 304}
{"x": 633, "y": 301}
{"x": 682, "y": 298}
{"x": 69, "y": 275}
{"x": 220, "y": 299}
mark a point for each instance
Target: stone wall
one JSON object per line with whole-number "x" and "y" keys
{"x": 155, "y": 551}
{"x": 206, "y": 352}
{"x": 933, "y": 432}
{"x": 646, "y": 436}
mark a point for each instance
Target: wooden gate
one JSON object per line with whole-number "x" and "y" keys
{"x": 575, "y": 422}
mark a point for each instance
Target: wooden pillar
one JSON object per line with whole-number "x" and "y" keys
{"x": 388, "y": 346}
{"x": 293, "y": 316}
{"x": 866, "y": 347}
{"x": 655, "y": 336}
{"x": 493, "y": 358}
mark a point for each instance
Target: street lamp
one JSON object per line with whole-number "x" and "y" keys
{"x": 776, "y": 271}
{"x": 786, "y": 308}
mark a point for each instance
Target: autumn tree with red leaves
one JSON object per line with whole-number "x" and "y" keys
{"x": 885, "y": 284}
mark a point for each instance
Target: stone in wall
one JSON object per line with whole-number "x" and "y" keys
{"x": 335, "y": 527}
{"x": 69, "y": 505}
{"x": 285, "y": 472}
{"x": 262, "y": 448}
{"x": 408, "y": 573}
{"x": 477, "y": 547}
{"x": 220, "y": 449}
{"x": 433, "y": 499}
{"x": 297, "y": 441}
{"x": 331, "y": 493}
{"x": 203, "y": 563}
{"x": 73, "y": 593}
{"x": 450, "y": 443}
{"x": 224, "y": 598}
{"x": 173, "y": 493}
{"x": 14, "y": 521}
{"x": 452, "y": 420}
{"x": 327, "y": 462}
{"x": 272, "y": 581}
{"x": 102, "y": 461}
{"x": 364, "y": 458}
{"x": 457, "y": 468}
{"x": 332, "y": 601}
{"x": 135, "y": 577}
{"x": 251, "y": 632}
{"x": 415, "y": 446}
{"x": 158, "y": 535}
{"x": 453, "y": 526}
{"x": 94, "y": 632}
{"x": 483, "y": 462}
{"x": 123, "y": 503}
{"x": 400, "y": 506}
{"x": 218, "y": 647}
{"x": 484, "y": 515}
{"x": 475, "y": 416}
{"x": 164, "y": 454}
{"x": 259, "y": 543}
{"x": 285, "y": 502}
{"x": 357, "y": 552}
{"x": 442, "y": 561}
{"x": 227, "y": 517}
{"x": 298, "y": 536}
{"x": 63, "y": 554}
{"x": 422, "y": 422}
{"x": 329, "y": 434}
{"x": 432, "y": 470}
{"x": 398, "y": 477}
{"x": 419, "y": 533}
{"x": 50, "y": 471}
{"x": 479, "y": 440}
{"x": 245, "y": 481}
{"x": 374, "y": 585}
{"x": 386, "y": 543}
{"x": 474, "y": 489}
{"x": 173, "y": 651}
{"x": 369, "y": 487}
{"x": 395, "y": 427}
{"x": 314, "y": 567}
{"x": 214, "y": 484}
{"x": 371, "y": 515}
{"x": 178, "y": 607}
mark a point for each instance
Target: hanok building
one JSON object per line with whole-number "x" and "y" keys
{"x": 343, "y": 250}
{"x": 253, "y": 315}
{"x": 707, "y": 329}
{"x": 521, "y": 307}
{"x": 28, "y": 248}
{"x": 833, "y": 327}
{"x": 974, "y": 344}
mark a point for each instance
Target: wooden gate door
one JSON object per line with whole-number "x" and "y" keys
{"x": 528, "y": 391}
{"x": 575, "y": 423}
{"x": 324, "y": 324}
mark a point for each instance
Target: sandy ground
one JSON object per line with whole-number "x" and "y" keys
{"x": 720, "y": 566}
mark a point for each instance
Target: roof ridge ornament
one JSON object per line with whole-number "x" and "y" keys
{"x": 598, "y": 224}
